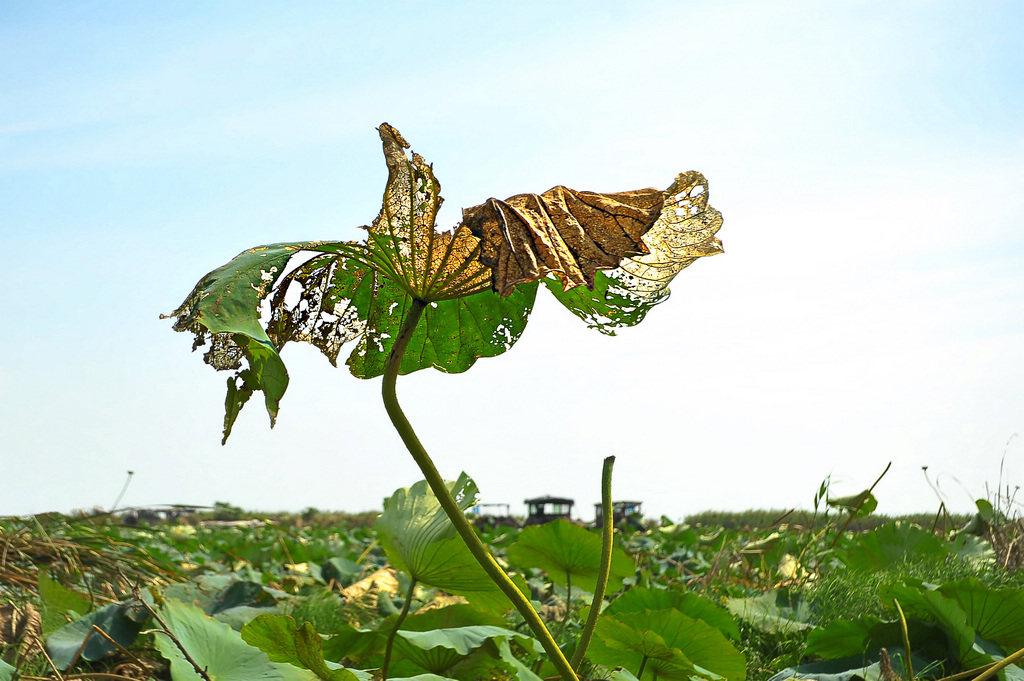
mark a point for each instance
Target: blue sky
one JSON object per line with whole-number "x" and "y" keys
{"x": 868, "y": 308}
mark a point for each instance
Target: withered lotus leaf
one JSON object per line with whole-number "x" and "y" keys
{"x": 566, "y": 232}
{"x": 683, "y": 232}
{"x": 403, "y": 240}
{"x": 328, "y": 293}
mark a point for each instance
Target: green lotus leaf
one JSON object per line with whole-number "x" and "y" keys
{"x": 365, "y": 646}
{"x": 846, "y": 638}
{"x": 122, "y": 622}
{"x": 569, "y": 554}
{"x": 642, "y": 651}
{"x": 858, "y": 505}
{"x": 690, "y": 604}
{"x": 931, "y": 606}
{"x": 217, "y": 648}
{"x": 772, "y": 611}
{"x": 891, "y": 544}
{"x": 419, "y": 539}
{"x": 301, "y": 646}
{"x": 441, "y": 651}
{"x": 667, "y": 637}
{"x": 995, "y": 614}
{"x": 59, "y": 602}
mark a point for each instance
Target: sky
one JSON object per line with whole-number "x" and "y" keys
{"x": 869, "y": 306}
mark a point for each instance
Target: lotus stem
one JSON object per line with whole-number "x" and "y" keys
{"x": 394, "y": 632}
{"x": 908, "y": 665}
{"x": 643, "y": 663}
{"x": 1000, "y": 665}
{"x": 568, "y": 605}
{"x": 448, "y": 503}
{"x": 603, "y": 572}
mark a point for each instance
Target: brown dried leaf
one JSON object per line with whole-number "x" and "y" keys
{"x": 404, "y": 243}
{"x": 562, "y": 231}
{"x": 384, "y": 579}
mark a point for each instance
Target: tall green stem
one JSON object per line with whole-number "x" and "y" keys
{"x": 448, "y": 503}
{"x": 394, "y": 632}
{"x": 605, "y": 569}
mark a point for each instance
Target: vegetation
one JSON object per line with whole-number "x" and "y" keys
{"x": 290, "y": 598}
{"x": 415, "y": 297}
{"x": 421, "y": 594}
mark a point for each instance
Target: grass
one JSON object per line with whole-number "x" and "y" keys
{"x": 75, "y": 551}
{"x": 759, "y": 519}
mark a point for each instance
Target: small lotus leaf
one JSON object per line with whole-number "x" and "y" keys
{"x": 301, "y": 646}
{"x": 772, "y": 611}
{"x": 569, "y": 554}
{"x": 688, "y": 603}
{"x": 120, "y": 621}
{"x": 892, "y": 544}
{"x": 59, "y": 602}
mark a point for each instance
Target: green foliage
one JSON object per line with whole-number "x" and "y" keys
{"x": 122, "y": 622}
{"x": 857, "y": 505}
{"x": 59, "y": 604}
{"x": 299, "y": 645}
{"x": 442, "y": 651}
{"x": 421, "y": 540}
{"x": 216, "y": 648}
{"x": 672, "y": 644}
{"x": 569, "y": 554}
{"x": 776, "y": 611}
{"x": 893, "y": 543}
{"x": 688, "y": 603}
{"x": 834, "y": 612}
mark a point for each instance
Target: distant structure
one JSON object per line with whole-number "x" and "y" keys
{"x": 544, "y": 509}
{"x": 628, "y": 511}
{"x": 493, "y": 515}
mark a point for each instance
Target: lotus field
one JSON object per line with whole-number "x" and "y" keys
{"x": 835, "y": 594}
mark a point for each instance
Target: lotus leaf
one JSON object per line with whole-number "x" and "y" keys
{"x": 441, "y": 650}
{"x": 329, "y": 293}
{"x": 891, "y": 544}
{"x": 301, "y": 646}
{"x": 217, "y": 648}
{"x": 686, "y": 638}
{"x": 772, "y": 611}
{"x": 618, "y": 644}
{"x": 995, "y": 614}
{"x": 569, "y": 554}
{"x": 421, "y": 540}
{"x": 58, "y": 602}
{"x": 120, "y": 621}
{"x": 690, "y": 604}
